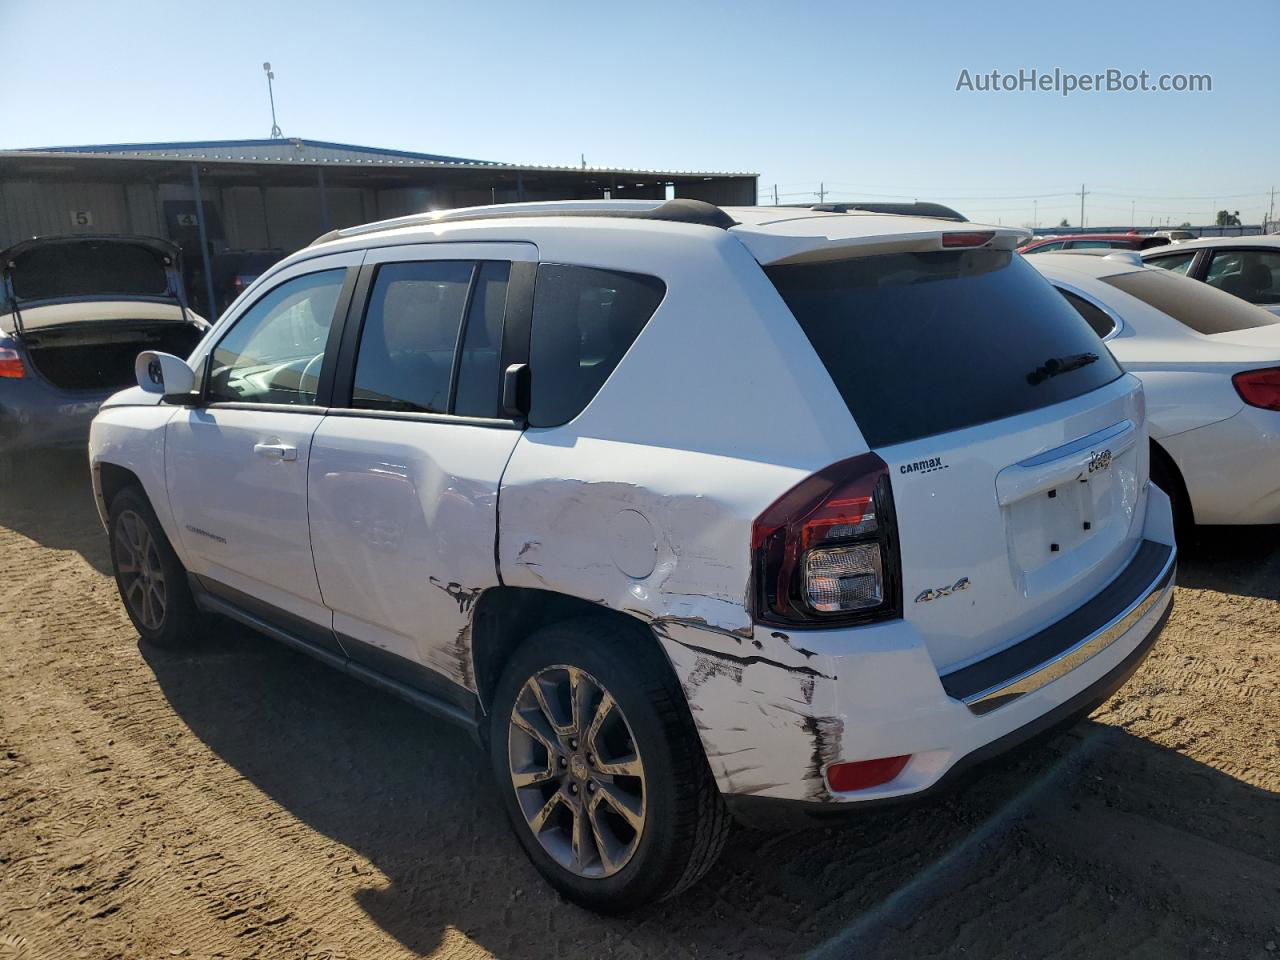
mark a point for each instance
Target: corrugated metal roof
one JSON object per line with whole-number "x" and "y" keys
{"x": 299, "y": 151}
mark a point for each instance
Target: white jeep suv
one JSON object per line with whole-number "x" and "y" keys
{"x": 682, "y": 511}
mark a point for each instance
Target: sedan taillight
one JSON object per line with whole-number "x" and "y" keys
{"x": 825, "y": 552}
{"x": 1259, "y": 388}
{"x": 11, "y": 365}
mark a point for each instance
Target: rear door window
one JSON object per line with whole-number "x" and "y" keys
{"x": 410, "y": 336}
{"x": 1253, "y": 275}
{"x": 584, "y": 320}
{"x": 924, "y": 343}
{"x": 1193, "y": 304}
{"x": 480, "y": 364}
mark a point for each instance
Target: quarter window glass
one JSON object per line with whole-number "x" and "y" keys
{"x": 1253, "y": 275}
{"x": 584, "y": 320}
{"x": 1193, "y": 304}
{"x": 410, "y": 334}
{"x": 1175, "y": 263}
{"x": 274, "y": 352}
{"x": 478, "y": 377}
{"x": 1095, "y": 316}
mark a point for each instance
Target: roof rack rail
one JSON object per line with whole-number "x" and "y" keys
{"x": 679, "y": 210}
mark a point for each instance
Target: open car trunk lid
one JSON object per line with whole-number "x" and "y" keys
{"x": 1016, "y": 445}
{"x": 50, "y": 272}
{"x": 84, "y": 307}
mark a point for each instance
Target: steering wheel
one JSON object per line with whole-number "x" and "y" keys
{"x": 312, "y": 369}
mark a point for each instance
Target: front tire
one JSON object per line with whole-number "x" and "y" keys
{"x": 600, "y": 768}
{"x": 150, "y": 577}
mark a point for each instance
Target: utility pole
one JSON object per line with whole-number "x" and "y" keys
{"x": 775, "y": 194}
{"x": 1035, "y": 214}
{"x": 275, "y": 127}
{"x": 822, "y": 192}
{"x": 1082, "y": 196}
{"x": 1272, "y": 214}
{"x": 1133, "y": 222}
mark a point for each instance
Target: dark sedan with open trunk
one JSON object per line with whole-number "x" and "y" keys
{"x": 74, "y": 314}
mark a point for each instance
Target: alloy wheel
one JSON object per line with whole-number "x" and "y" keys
{"x": 576, "y": 771}
{"x": 139, "y": 568}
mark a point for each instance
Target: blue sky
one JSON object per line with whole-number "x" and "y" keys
{"x": 859, "y": 96}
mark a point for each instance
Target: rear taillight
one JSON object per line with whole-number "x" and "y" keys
{"x": 825, "y": 553}
{"x": 11, "y": 364}
{"x": 1259, "y": 388}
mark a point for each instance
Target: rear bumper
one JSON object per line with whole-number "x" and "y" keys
{"x": 770, "y": 813}
{"x": 775, "y": 710}
{"x": 35, "y": 416}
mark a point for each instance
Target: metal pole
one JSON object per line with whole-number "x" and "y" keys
{"x": 324, "y": 203}
{"x": 775, "y": 194}
{"x": 1082, "y": 206}
{"x": 204, "y": 244}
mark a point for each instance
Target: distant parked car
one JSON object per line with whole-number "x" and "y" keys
{"x": 1210, "y": 364}
{"x": 1175, "y": 236}
{"x": 1095, "y": 241}
{"x": 1246, "y": 267}
{"x": 75, "y": 314}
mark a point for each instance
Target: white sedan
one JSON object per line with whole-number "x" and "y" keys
{"x": 1210, "y": 364}
{"x": 1246, "y": 267}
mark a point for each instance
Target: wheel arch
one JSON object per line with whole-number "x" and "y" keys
{"x": 505, "y": 616}
{"x": 112, "y": 478}
{"x": 1162, "y": 460}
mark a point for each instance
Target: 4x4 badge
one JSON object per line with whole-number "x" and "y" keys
{"x": 939, "y": 592}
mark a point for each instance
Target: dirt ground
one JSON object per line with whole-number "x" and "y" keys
{"x": 239, "y": 800}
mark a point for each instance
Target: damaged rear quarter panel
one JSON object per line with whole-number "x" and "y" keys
{"x": 644, "y": 503}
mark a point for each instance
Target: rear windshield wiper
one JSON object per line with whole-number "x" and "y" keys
{"x": 1056, "y": 365}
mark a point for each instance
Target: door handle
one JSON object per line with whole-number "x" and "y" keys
{"x": 276, "y": 451}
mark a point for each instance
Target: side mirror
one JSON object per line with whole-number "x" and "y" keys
{"x": 165, "y": 374}
{"x": 515, "y": 391}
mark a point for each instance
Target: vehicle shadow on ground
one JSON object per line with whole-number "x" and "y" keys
{"x": 1125, "y": 838}
{"x": 1240, "y": 560}
{"x": 50, "y": 500}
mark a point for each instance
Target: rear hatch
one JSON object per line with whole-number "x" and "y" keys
{"x": 84, "y": 307}
{"x": 1015, "y": 443}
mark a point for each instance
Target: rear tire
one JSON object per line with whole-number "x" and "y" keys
{"x": 151, "y": 579}
{"x": 614, "y": 802}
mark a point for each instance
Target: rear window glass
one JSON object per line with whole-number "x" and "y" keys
{"x": 88, "y": 268}
{"x": 584, "y": 320}
{"x": 924, "y": 343}
{"x": 1192, "y": 303}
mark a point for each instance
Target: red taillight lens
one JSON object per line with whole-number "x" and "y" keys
{"x": 1259, "y": 388}
{"x": 825, "y": 552}
{"x": 974, "y": 239}
{"x": 861, "y": 774}
{"x": 11, "y": 364}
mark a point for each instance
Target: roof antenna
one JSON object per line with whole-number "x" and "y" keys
{"x": 275, "y": 127}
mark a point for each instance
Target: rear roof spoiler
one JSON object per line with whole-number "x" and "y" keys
{"x": 819, "y": 240}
